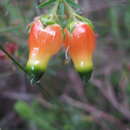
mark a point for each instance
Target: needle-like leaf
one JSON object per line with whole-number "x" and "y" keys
{"x": 72, "y": 4}
{"x": 43, "y": 4}
{"x": 12, "y": 59}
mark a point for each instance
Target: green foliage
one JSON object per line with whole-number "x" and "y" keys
{"x": 62, "y": 117}
{"x": 114, "y": 22}
{"x": 46, "y": 3}
{"x": 14, "y": 21}
{"x": 32, "y": 113}
{"x": 72, "y": 4}
{"x": 127, "y": 19}
{"x": 14, "y": 12}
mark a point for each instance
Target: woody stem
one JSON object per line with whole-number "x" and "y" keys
{"x": 11, "y": 58}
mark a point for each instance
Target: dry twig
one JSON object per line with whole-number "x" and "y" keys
{"x": 95, "y": 113}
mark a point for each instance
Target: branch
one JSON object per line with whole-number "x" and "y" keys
{"x": 76, "y": 84}
{"x": 96, "y": 114}
{"x": 12, "y": 59}
{"x": 26, "y": 97}
{"x": 109, "y": 94}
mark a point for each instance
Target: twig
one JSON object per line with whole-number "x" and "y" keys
{"x": 8, "y": 117}
{"x": 108, "y": 92}
{"x": 26, "y": 97}
{"x": 122, "y": 85}
{"x": 77, "y": 85}
{"x": 96, "y": 114}
{"x": 11, "y": 58}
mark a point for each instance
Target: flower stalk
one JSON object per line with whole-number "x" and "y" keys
{"x": 13, "y": 60}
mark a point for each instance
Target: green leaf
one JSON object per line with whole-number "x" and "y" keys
{"x": 24, "y": 110}
{"x": 33, "y": 113}
{"x": 9, "y": 29}
{"x": 72, "y": 4}
{"x": 43, "y": 4}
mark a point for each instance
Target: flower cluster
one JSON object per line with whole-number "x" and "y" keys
{"x": 47, "y": 36}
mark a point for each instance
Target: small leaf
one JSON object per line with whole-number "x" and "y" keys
{"x": 43, "y": 4}
{"x": 72, "y": 4}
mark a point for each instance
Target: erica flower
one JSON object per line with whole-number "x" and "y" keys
{"x": 44, "y": 42}
{"x": 80, "y": 41}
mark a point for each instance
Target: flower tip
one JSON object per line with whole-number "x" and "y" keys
{"x": 85, "y": 75}
{"x": 34, "y": 73}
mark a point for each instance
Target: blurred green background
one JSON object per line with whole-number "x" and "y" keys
{"x": 64, "y": 102}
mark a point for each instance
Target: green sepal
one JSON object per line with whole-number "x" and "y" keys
{"x": 43, "y": 4}
{"x": 35, "y": 73}
{"x": 47, "y": 20}
{"x": 85, "y": 75}
{"x": 71, "y": 24}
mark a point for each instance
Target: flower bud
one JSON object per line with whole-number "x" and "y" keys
{"x": 44, "y": 42}
{"x": 80, "y": 41}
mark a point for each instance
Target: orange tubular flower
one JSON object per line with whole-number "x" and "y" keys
{"x": 81, "y": 45}
{"x": 44, "y": 42}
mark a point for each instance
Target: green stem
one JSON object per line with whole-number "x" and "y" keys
{"x": 43, "y": 89}
{"x": 11, "y": 58}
